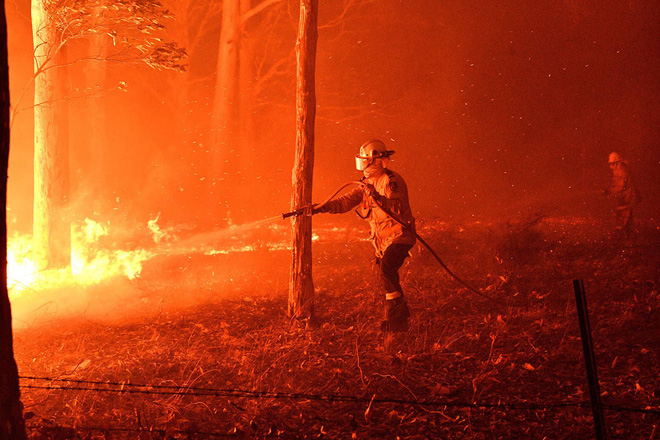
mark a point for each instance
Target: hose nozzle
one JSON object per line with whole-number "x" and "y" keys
{"x": 297, "y": 212}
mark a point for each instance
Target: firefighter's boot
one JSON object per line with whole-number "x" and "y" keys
{"x": 396, "y": 313}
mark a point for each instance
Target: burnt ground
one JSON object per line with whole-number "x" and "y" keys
{"x": 228, "y": 363}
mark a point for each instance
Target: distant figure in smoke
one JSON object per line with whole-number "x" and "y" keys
{"x": 625, "y": 192}
{"x": 392, "y": 241}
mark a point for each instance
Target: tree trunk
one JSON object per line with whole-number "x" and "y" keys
{"x": 225, "y": 102}
{"x": 11, "y": 409}
{"x": 245, "y": 83}
{"x": 247, "y": 150}
{"x": 52, "y": 225}
{"x": 301, "y": 287}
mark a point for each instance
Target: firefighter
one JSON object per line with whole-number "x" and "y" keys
{"x": 387, "y": 189}
{"x": 625, "y": 193}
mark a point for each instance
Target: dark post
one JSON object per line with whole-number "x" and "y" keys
{"x": 589, "y": 359}
{"x": 12, "y": 425}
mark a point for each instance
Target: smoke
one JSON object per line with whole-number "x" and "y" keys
{"x": 491, "y": 108}
{"x": 109, "y": 301}
{"x": 168, "y": 273}
{"x": 495, "y": 111}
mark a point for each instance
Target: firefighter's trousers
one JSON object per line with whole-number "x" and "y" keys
{"x": 387, "y": 268}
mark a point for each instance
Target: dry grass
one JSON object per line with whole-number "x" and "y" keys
{"x": 460, "y": 349}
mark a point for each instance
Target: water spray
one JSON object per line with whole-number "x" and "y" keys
{"x": 186, "y": 245}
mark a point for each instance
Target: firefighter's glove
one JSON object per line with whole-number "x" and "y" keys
{"x": 370, "y": 191}
{"x": 316, "y": 209}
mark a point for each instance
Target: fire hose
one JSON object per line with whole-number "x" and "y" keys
{"x": 305, "y": 209}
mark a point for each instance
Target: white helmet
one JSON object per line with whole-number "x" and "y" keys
{"x": 370, "y": 150}
{"x": 615, "y": 157}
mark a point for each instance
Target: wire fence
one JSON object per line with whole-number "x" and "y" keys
{"x": 176, "y": 390}
{"x": 318, "y": 397}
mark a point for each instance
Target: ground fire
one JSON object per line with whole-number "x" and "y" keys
{"x": 173, "y": 271}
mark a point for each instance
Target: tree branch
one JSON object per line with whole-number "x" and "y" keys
{"x": 257, "y": 9}
{"x": 274, "y": 70}
{"x": 342, "y": 17}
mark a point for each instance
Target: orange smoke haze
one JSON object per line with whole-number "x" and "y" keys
{"x": 494, "y": 109}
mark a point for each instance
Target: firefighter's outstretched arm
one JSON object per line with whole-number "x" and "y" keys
{"x": 342, "y": 204}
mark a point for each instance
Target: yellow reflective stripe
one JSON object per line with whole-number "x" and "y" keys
{"x": 393, "y": 295}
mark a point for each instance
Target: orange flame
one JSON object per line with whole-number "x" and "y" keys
{"x": 89, "y": 264}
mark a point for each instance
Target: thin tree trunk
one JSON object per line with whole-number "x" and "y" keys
{"x": 12, "y": 425}
{"x": 246, "y": 108}
{"x": 52, "y": 226}
{"x": 301, "y": 287}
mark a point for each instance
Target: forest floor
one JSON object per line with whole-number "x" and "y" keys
{"x": 226, "y": 362}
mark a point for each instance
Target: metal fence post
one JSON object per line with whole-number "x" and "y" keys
{"x": 589, "y": 359}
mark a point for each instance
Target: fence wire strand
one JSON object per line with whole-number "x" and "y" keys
{"x": 130, "y": 388}
{"x": 176, "y": 390}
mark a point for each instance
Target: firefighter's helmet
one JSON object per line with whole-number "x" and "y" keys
{"x": 370, "y": 150}
{"x": 615, "y": 157}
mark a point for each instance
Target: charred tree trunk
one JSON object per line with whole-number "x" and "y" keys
{"x": 11, "y": 409}
{"x": 301, "y": 287}
{"x": 52, "y": 225}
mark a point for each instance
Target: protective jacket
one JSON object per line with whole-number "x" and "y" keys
{"x": 393, "y": 197}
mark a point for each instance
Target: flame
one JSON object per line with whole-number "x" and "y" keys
{"x": 159, "y": 234}
{"x": 93, "y": 261}
{"x": 21, "y": 270}
{"x": 90, "y": 264}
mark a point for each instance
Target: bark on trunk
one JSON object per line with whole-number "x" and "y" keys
{"x": 11, "y": 409}
{"x": 301, "y": 287}
{"x": 52, "y": 225}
